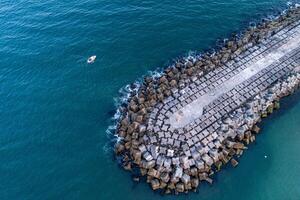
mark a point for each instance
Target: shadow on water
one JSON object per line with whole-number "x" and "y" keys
{"x": 110, "y": 113}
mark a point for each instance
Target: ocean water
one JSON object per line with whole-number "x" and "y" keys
{"x": 55, "y": 109}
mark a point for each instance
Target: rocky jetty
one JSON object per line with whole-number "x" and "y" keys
{"x": 180, "y": 128}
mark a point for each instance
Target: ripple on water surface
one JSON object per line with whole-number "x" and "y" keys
{"x": 55, "y": 108}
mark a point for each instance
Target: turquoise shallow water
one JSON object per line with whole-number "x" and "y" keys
{"x": 55, "y": 109}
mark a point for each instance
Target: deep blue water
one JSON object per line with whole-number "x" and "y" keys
{"x": 55, "y": 109}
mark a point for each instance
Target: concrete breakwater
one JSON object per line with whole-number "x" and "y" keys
{"x": 178, "y": 129}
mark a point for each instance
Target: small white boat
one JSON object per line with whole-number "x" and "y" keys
{"x": 91, "y": 59}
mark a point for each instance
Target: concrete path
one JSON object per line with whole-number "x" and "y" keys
{"x": 194, "y": 110}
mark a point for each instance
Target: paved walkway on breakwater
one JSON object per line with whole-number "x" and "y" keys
{"x": 194, "y": 110}
{"x": 187, "y": 120}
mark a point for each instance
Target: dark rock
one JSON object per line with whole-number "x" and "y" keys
{"x": 189, "y": 71}
{"x": 119, "y": 148}
{"x": 165, "y": 177}
{"x": 125, "y": 122}
{"x": 155, "y": 184}
{"x": 135, "y": 125}
{"x": 139, "y": 119}
{"x": 255, "y": 129}
{"x": 189, "y": 64}
{"x": 180, "y": 187}
{"x": 234, "y": 163}
{"x": 127, "y": 166}
{"x": 194, "y": 182}
{"x": 239, "y": 145}
{"x": 163, "y": 79}
{"x": 153, "y": 172}
{"x": 173, "y": 83}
